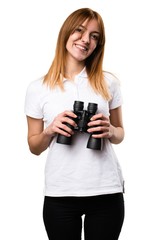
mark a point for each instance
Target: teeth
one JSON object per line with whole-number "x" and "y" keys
{"x": 83, "y": 48}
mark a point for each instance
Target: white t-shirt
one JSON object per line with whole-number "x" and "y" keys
{"x": 75, "y": 170}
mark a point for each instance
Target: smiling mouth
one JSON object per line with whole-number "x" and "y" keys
{"x": 81, "y": 47}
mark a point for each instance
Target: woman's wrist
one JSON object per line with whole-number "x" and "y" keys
{"x": 46, "y": 132}
{"x": 112, "y": 131}
{"x": 116, "y": 134}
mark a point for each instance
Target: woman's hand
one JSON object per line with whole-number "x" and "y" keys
{"x": 108, "y": 127}
{"x": 39, "y": 139}
{"x": 62, "y": 124}
{"x": 100, "y": 126}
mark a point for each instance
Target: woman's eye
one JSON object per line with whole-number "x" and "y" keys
{"x": 78, "y": 30}
{"x": 95, "y": 37}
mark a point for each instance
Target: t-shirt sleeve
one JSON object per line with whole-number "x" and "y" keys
{"x": 32, "y": 106}
{"x": 116, "y": 94}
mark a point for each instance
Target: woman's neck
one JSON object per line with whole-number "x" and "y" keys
{"x": 73, "y": 68}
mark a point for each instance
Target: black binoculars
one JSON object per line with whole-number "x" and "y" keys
{"x": 83, "y": 118}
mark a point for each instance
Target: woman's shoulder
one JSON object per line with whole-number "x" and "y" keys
{"x": 36, "y": 84}
{"x": 111, "y": 78}
{"x": 113, "y": 82}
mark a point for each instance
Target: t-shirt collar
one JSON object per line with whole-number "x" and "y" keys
{"x": 82, "y": 74}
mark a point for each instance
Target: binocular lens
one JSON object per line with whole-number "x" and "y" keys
{"x": 78, "y": 106}
{"x": 92, "y": 107}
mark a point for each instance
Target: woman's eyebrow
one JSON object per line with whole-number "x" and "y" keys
{"x": 86, "y": 28}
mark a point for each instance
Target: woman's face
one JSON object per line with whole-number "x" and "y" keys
{"x": 83, "y": 41}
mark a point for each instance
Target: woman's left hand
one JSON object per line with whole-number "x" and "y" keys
{"x": 100, "y": 126}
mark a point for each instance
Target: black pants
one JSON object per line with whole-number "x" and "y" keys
{"x": 103, "y": 217}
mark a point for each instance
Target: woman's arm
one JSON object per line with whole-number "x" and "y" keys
{"x": 38, "y": 140}
{"x": 116, "y": 126}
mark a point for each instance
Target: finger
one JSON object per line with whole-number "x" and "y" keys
{"x": 64, "y": 133}
{"x": 69, "y": 114}
{"x": 58, "y": 126}
{"x": 69, "y": 121}
{"x": 102, "y": 135}
{"x": 99, "y": 122}
{"x": 67, "y": 129}
{"x": 99, "y": 116}
{"x": 100, "y": 129}
{"x": 62, "y": 129}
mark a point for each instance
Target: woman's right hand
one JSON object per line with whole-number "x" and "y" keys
{"x": 60, "y": 124}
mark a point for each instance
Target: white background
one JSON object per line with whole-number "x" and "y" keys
{"x": 28, "y": 30}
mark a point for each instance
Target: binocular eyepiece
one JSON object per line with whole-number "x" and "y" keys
{"x": 83, "y": 118}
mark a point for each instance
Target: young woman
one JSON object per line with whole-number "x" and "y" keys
{"x": 78, "y": 180}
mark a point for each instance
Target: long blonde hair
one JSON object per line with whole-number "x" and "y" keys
{"x": 93, "y": 63}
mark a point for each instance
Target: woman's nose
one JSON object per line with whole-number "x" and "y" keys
{"x": 85, "y": 38}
